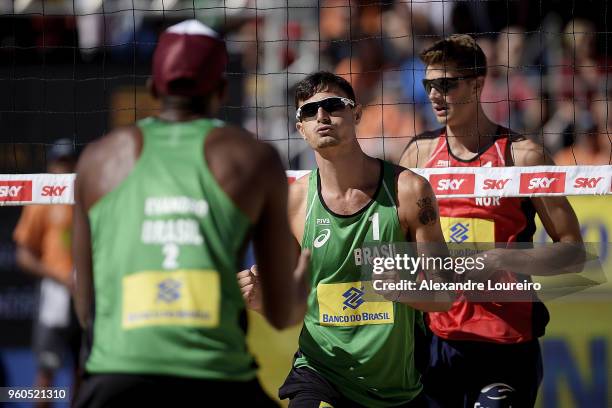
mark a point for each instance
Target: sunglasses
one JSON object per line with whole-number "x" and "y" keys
{"x": 444, "y": 85}
{"x": 330, "y": 105}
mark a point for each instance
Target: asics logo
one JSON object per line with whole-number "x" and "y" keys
{"x": 322, "y": 238}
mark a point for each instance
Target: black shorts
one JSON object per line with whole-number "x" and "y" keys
{"x": 306, "y": 388}
{"x": 477, "y": 374}
{"x": 131, "y": 390}
{"x": 52, "y": 345}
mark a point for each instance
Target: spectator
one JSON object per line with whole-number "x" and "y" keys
{"x": 575, "y": 84}
{"x": 43, "y": 248}
{"x": 510, "y": 95}
{"x": 593, "y": 147}
{"x": 386, "y": 129}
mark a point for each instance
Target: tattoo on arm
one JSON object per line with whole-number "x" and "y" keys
{"x": 427, "y": 211}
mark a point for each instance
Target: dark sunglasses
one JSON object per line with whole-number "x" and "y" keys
{"x": 330, "y": 105}
{"x": 444, "y": 85}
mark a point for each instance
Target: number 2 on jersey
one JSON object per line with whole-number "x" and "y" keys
{"x": 171, "y": 253}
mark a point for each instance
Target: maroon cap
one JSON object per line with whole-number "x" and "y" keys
{"x": 189, "y": 51}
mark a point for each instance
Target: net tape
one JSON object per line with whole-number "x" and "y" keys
{"x": 450, "y": 182}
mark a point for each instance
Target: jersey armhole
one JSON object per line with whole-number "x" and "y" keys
{"x": 215, "y": 124}
{"x": 137, "y": 164}
{"x": 428, "y": 135}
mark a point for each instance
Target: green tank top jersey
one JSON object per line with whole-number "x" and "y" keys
{"x": 360, "y": 342}
{"x": 165, "y": 245}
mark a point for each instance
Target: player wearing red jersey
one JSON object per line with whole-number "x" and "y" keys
{"x": 487, "y": 354}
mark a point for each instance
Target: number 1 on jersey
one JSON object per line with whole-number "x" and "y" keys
{"x": 375, "y": 227}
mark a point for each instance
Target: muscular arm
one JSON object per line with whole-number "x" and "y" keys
{"x": 284, "y": 290}
{"x": 567, "y": 254}
{"x": 409, "y": 158}
{"x": 419, "y": 216}
{"x": 81, "y": 248}
{"x": 418, "y": 150}
{"x": 248, "y": 280}
{"x": 29, "y": 261}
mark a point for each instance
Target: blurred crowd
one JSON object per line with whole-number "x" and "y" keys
{"x": 547, "y": 67}
{"x": 550, "y": 83}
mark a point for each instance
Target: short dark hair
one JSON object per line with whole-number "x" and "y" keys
{"x": 459, "y": 50}
{"x": 319, "y": 82}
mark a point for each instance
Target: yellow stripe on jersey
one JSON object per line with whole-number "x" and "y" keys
{"x": 176, "y": 298}
{"x": 460, "y": 230}
{"x": 343, "y": 304}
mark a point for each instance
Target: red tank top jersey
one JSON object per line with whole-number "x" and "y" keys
{"x": 486, "y": 219}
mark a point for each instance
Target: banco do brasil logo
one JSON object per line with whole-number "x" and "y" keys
{"x": 459, "y": 232}
{"x": 168, "y": 290}
{"x": 353, "y": 298}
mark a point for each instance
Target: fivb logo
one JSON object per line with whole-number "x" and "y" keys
{"x": 16, "y": 190}
{"x": 449, "y": 184}
{"x": 459, "y": 232}
{"x": 353, "y": 298}
{"x": 323, "y": 221}
{"x": 544, "y": 182}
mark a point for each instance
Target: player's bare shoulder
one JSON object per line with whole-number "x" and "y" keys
{"x": 298, "y": 194}
{"x": 416, "y": 201}
{"x": 419, "y": 149}
{"x": 233, "y": 150}
{"x": 107, "y": 161}
{"x": 526, "y": 152}
{"x": 121, "y": 145}
{"x": 249, "y": 171}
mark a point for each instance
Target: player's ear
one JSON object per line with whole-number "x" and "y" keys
{"x": 357, "y": 113}
{"x": 300, "y": 128}
{"x": 479, "y": 84}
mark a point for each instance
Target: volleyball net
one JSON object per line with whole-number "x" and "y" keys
{"x": 73, "y": 70}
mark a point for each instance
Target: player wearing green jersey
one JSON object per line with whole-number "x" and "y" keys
{"x": 353, "y": 351}
{"x": 163, "y": 211}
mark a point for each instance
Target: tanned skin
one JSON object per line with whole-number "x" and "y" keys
{"x": 469, "y": 130}
{"x": 249, "y": 172}
{"x": 349, "y": 179}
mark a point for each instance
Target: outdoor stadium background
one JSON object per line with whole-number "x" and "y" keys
{"x": 76, "y": 69}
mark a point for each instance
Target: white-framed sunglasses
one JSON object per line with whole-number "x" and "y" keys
{"x": 331, "y": 105}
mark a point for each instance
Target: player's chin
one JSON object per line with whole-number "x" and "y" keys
{"x": 444, "y": 119}
{"x": 327, "y": 141}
